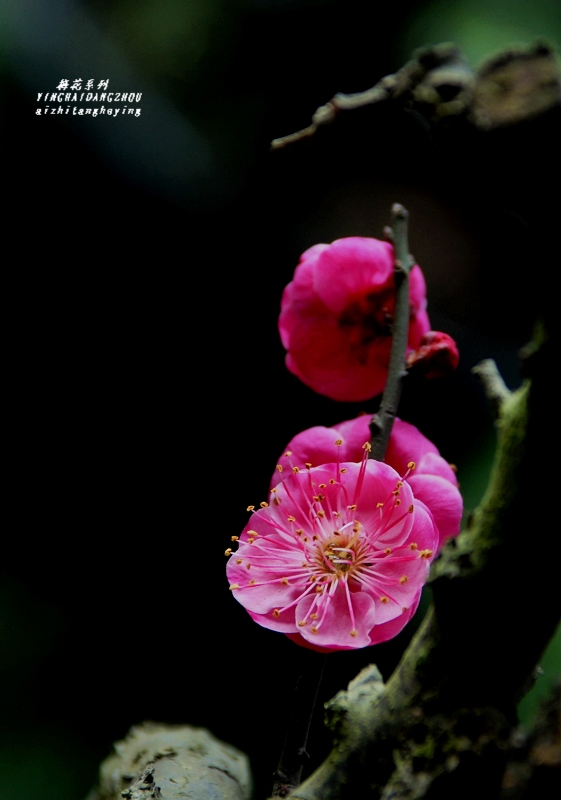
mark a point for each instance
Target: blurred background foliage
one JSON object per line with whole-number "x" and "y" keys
{"x": 146, "y": 259}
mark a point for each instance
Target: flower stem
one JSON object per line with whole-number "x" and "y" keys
{"x": 293, "y": 757}
{"x": 381, "y": 423}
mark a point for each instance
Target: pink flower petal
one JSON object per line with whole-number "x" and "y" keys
{"x": 407, "y": 444}
{"x": 443, "y": 499}
{"x": 372, "y": 268}
{"x": 434, "y": 464}
{"x": 335, "y": 627}
{"x": 387, "y": 630}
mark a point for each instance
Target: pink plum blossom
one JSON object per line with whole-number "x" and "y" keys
{"x": 433, "y": 480}
{"x": 336, "y": 317}
{"x": 338, "y": 558}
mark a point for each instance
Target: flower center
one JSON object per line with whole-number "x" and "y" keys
{"x": 341, "y": 559}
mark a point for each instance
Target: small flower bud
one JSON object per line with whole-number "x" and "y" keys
{"x": 436, "y": 356}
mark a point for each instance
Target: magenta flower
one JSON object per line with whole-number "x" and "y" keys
{"x": 433, "y": 480}
{"x": 336, "y": 317}
{"x": 338, "y": 558}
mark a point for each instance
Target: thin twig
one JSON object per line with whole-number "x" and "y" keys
{"x": 382, "y": 423}
{"x": 293, "y": 757}
{"x": 432, "y": 71}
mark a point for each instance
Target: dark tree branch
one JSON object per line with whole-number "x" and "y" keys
{"x": 441, "y": 726}
{"x": 382, "y": 422}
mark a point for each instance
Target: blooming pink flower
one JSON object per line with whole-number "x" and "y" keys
{"x": 433, "y": 480}
{"x": 338, "y": 559}
{"x": 336, "y": 317}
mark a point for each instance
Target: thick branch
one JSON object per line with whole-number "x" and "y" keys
{"x": 442, "y": 722}
{"x": 495, "y": 388}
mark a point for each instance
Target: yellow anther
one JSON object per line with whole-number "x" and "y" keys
{"x": 228, "y": 551}
{"x": 305, "y": 539}
{"x": 352, "y": 508}
{"x": 273, "y": 490}
{"x": 276, "y": 613}
{"x": 264, "y": 504}
{"x": 397, "y": 501}
{"x": 411, "y": 508}
{"x": 234, "y": 538}
{"x": 252, "y": 533}
{"x": 366, "y": 446}
{"x": 403, "y": 579}
{"x": 425, "y": 553}
{"x": 343, "y": 470}
{"x": 314, "y": 629}
{"x": 315, "y": 537}
{"x": 337, "y": 533}
{"x": 288, "y": 453}
{"x": 414, "y": 546}
{"x": 239, "y": 561}
{"x": 251, "y": 540}
{"x": 384, "y": 599}
{"x": 387, "y": 551}
{"x": 319, "y": 588}
{"x": 322, "y": 485}
{"x": 250, "y": 508}
{"x": 284, "y": 581}
{"x": 338, "y": 443}
{"x": 354, "y": 633}
{"x": 395, "y": 491}
{"x": 379, "y": 505}
{"x": 279, "y": 467}
{"x": 299, "y": 531}
{"x": 321, "y": 513}
{"x": 399, "y": 484}
{"x": 252, "y": 583}
{"x": 295, "y": 470}
{"x": 314, "y": 616}
{"x": 411, "y": 465}
{"x": 302, "y": 623}
{"x": 234, "y": 586}
{"x": 332, "y": 481}
{"x": 291, "y": 518}
{"x": 308, "y": 464}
